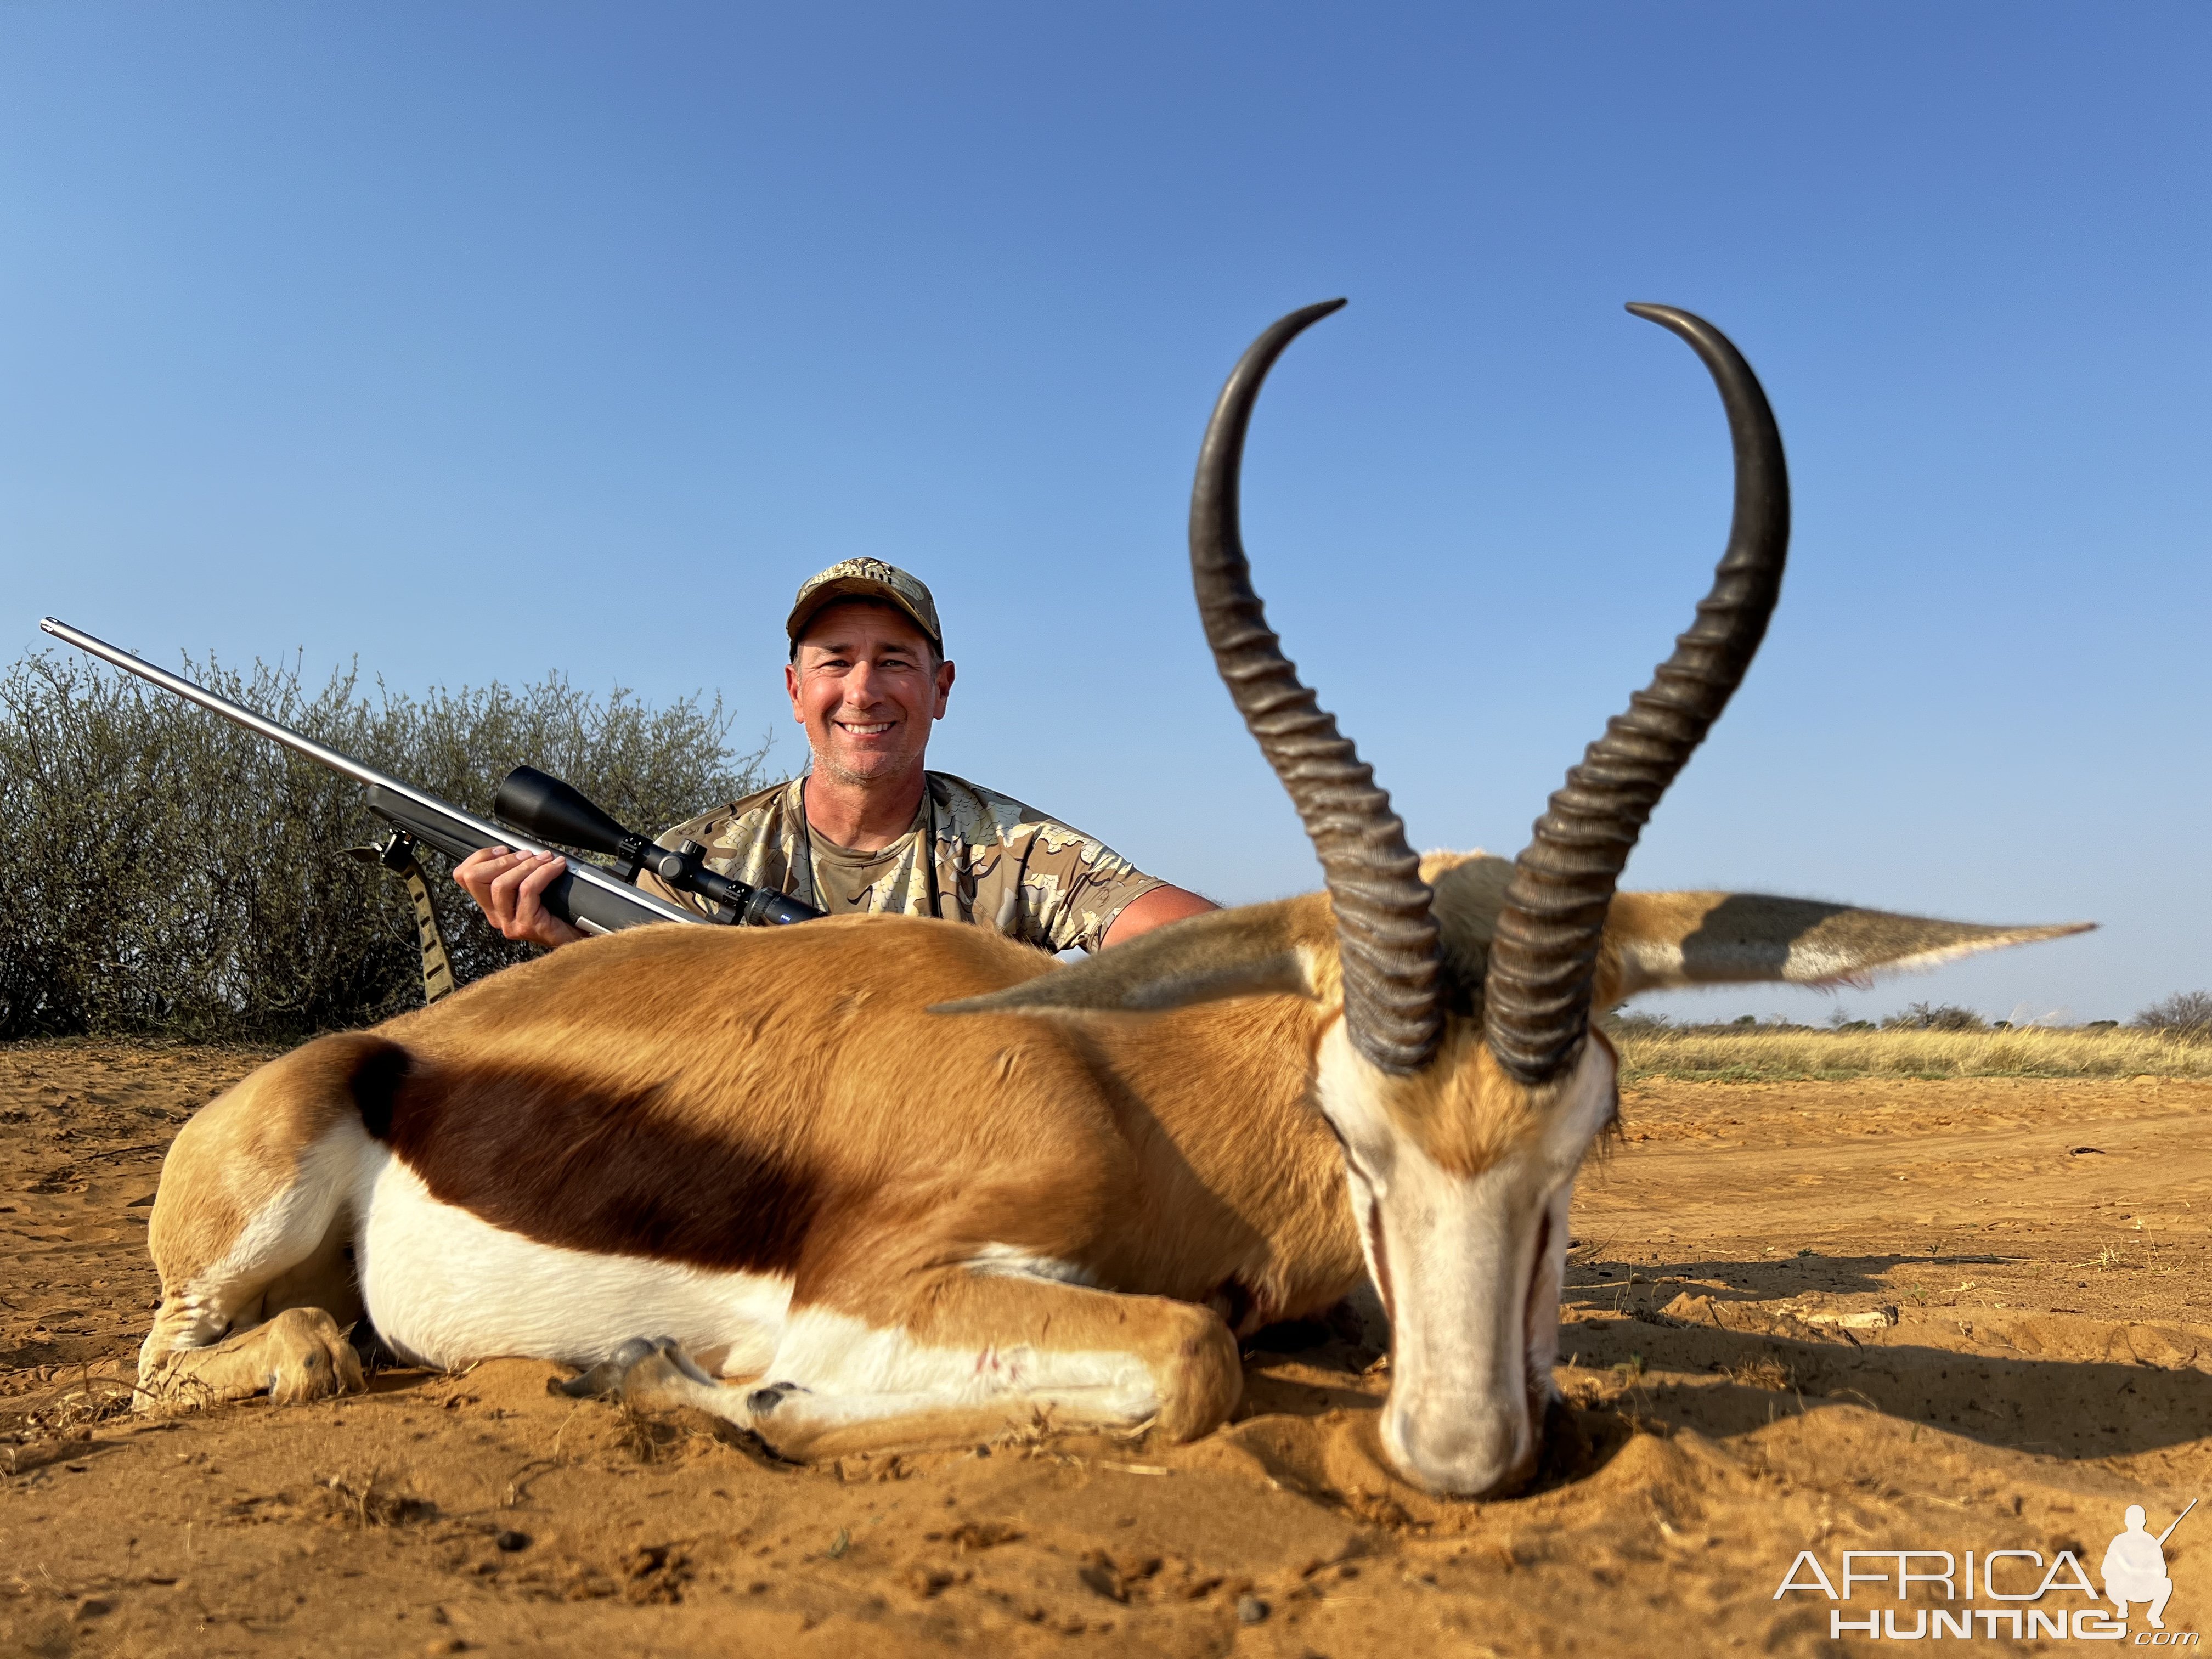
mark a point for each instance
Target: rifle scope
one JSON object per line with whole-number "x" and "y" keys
{"x": 555, "y": 811}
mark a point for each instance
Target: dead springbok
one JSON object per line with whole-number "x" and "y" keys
{"x": 771, "y": 1155}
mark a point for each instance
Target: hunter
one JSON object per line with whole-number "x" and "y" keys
{"x": 869, "y": 828}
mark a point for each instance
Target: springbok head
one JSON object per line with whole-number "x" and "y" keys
{"x": 1464, "y": 1079}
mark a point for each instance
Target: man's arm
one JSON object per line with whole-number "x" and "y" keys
{"x": 1154, "y": 910}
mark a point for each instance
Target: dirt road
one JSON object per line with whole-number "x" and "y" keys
{"x": 1938, "y": 1316}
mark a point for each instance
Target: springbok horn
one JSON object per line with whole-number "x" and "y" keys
{"x": 1536, "y": 997}
{"x": 1385, "y": 937}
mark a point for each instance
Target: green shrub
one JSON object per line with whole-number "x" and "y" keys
{"x": 170, "y": 874}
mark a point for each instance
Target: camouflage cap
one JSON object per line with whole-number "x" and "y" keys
{"x": 866, "y": 579}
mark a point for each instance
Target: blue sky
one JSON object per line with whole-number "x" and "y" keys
{"x": 480, "y": 339}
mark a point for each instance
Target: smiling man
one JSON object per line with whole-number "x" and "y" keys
{"x": 870, "y": 828}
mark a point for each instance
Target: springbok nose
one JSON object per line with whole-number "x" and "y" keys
{"x": 1462, "y": 1446}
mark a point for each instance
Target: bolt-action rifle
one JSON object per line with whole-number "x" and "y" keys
{"x": 543, "y": 809}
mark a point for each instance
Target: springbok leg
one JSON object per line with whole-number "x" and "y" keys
{"x": 301, "y": 1354}
{"x": 975, "y": 1355}
{"x": 249, "y": 1237}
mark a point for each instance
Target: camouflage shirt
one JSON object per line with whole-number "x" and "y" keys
{"x": 972, "y": 855}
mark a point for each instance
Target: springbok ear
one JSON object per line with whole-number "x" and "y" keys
{"x": 1659, "y": 941}
{"x": 1255, "y": 950}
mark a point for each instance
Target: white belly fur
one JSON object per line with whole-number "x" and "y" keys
{"x": 445, "y": 1287}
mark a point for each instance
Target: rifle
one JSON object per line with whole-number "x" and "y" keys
{"x": 2178, "y": 1520}
{"x": 585, "y": 895}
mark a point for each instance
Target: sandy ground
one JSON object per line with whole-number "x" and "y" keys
{"x": 1955, "y": 1315}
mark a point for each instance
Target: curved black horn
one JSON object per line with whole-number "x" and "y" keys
{"x": 1537, "y": 995}
{"x": 1385, "y": 937}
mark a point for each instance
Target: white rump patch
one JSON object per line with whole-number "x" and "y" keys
{"x": 445, "y": 1287}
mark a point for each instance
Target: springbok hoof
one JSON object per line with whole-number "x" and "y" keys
{"x": 308, "y": 1358}
{"x": 761, "y": 1401}
{"x": 634, "y": 1370}
{"x": 605, "y": 1377}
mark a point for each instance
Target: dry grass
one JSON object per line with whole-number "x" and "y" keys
{"x": 1797, "y": 1054}
{"x": 1768, "y": 1372}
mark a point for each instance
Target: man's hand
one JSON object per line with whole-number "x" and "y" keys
{"x": 505, "y": 886}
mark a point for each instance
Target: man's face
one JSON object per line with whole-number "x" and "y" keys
{"x": 865, "y": 686}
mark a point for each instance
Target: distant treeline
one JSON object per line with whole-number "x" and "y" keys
{"x": 2170, "y": 1038}
{"x": 170, "y": 874}
{"x": 2187, "y": 1016}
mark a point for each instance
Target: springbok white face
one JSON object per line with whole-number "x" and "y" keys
{"x": 1469, "y": 1263}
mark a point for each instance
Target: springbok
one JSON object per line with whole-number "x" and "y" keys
{"x": 904, "y": 1183}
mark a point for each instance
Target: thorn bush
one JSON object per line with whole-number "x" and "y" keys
{"x": 171, "y": 874}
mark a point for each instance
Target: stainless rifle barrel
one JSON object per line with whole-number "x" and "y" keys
{"x": 361, "y": 773}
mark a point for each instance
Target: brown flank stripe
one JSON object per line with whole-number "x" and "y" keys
{"x": 545, "y": 1154}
